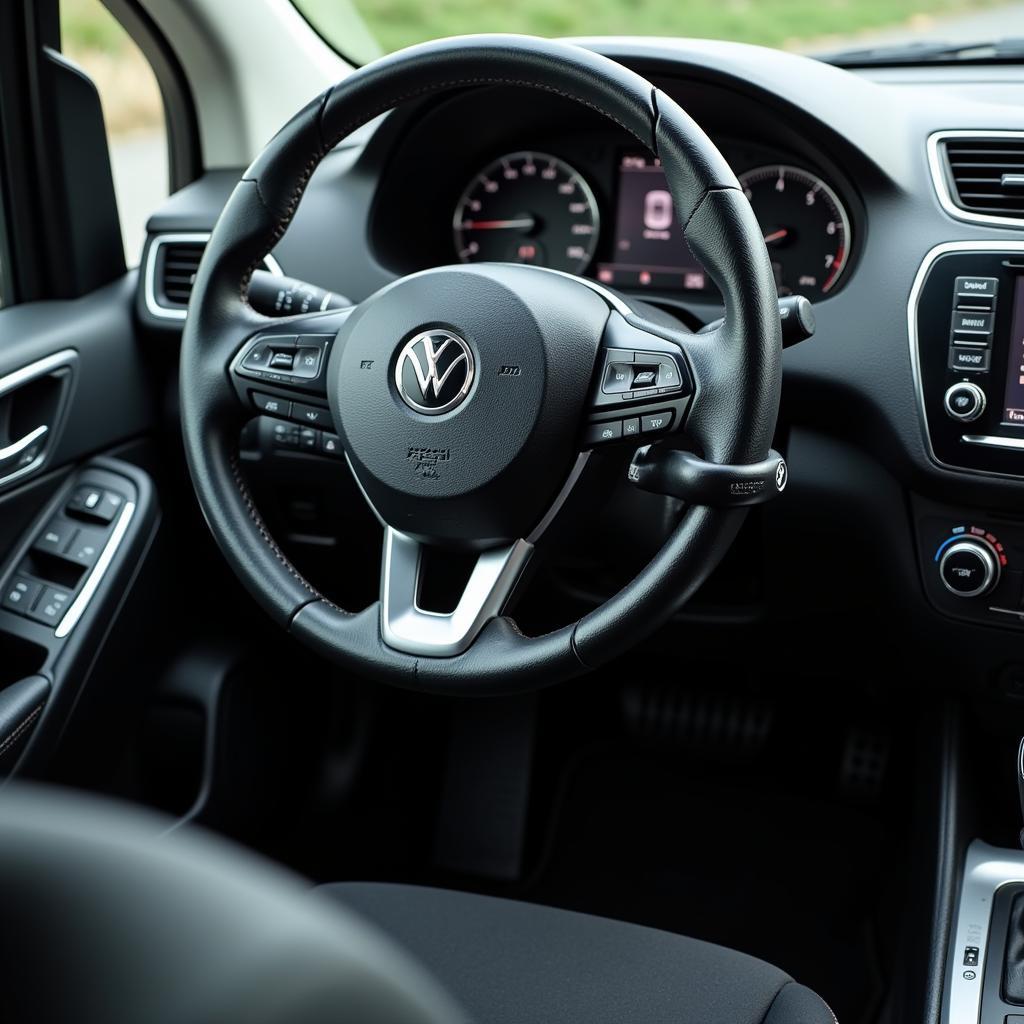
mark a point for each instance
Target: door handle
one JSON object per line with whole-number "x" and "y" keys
{"x": 21, "y": 453}
{"x": 33, "y": 401}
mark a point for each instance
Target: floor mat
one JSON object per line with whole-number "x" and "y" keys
{"x": 789, "y": 879}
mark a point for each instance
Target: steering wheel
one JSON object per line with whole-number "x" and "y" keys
{"x": 467, "y": 399}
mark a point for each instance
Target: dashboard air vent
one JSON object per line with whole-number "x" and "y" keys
{"x": 177, "y": 263}
{"x": 170, "y": 272}
{"x": 987, "y": 175}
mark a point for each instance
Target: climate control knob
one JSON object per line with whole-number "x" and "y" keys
{"x": 969, "y": 568}
{"x": 964, "y": 402}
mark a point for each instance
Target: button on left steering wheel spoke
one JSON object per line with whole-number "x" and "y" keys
{"x": 281, "y": 370}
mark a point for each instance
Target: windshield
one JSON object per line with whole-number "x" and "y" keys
{"x": 847, "y": 31}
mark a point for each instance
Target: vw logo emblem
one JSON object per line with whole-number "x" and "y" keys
{"x": 434, "y": 372}
{"x": 781, "y": 475}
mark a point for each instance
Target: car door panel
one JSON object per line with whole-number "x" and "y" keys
{"x": 84, "y": 574}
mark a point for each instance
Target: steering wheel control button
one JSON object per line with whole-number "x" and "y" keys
{"x": 618, "y": 378}
{"x": 330, "y": 444}
{"x": 644, "y": 377}
{"x": 286, "y": 435}
{"x": 272, "y": 405}
{"x": 21, "y": 594}
{"x": 307, "y": 362}
{"x": 50, "y": 607}
{"x": 964, "y": 402}
{"x": 271, "y": 358}
{"x": 311, "y": 415}
{"x": 969, "y": 568}
{"x": 599, "y": 433}
{"x": 973, "y": 360}
{"x": 631, "y": 427}
{"x": 258, "y": 358}
{"x": 669, "y": 377}
{"x": 656, "y": 422}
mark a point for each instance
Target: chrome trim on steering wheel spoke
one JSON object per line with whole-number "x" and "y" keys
{"x": 406, "y": 627}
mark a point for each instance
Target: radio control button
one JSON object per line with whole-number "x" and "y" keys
{"x": 971, "y": 287}
{"x": 967, "y": 321}
{"x": 964, "y": 402}
{"x": 972, "y": 359}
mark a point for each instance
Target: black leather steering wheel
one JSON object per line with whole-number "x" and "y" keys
{"x": 466, "y": 397}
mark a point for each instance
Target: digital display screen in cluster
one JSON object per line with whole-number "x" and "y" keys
{"x": 649, "y": 249}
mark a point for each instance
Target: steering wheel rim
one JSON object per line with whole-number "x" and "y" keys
{"x": 736, "y": 370}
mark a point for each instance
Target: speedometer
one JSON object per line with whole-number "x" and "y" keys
{"x": 806, "y": 228}
{"x": 531, "y": 208}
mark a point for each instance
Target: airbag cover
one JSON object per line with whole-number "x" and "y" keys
{"x": 485, "y": 467}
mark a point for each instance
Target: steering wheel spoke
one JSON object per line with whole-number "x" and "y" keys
{"x": 281, "y": 370}
{"x": 406, "y": 626}
{"x": 643, "y": 386}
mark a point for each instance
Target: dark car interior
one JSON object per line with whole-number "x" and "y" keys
{"x": 620, "y": 623}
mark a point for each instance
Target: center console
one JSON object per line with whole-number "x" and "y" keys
{"x": 966, "y": 325}
{"x": 983, "y": 971}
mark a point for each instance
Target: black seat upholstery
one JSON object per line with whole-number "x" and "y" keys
{"x": 518, "y": 963}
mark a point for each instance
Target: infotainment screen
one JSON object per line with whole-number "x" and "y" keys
{"x": 649, "y": 248}
{"x": 1013, "y": 402}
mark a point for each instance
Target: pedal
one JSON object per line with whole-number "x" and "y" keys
{"x": 865, "y": 761}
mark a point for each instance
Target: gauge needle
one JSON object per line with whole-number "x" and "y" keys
{"x": 775, "y": 236}
{"x": 518, "y": 223}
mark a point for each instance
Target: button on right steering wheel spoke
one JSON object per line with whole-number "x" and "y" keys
{"x": 642, "y": 389}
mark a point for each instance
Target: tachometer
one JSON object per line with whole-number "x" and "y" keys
{"x": 528, "y": 208}
{"x": 805, "y": 227}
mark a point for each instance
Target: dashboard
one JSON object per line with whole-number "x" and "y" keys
{"x": 901, "y": 418}
{"x": 568, "y": 191}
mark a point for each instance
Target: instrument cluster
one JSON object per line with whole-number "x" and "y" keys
{"x": 536, "y": 207}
